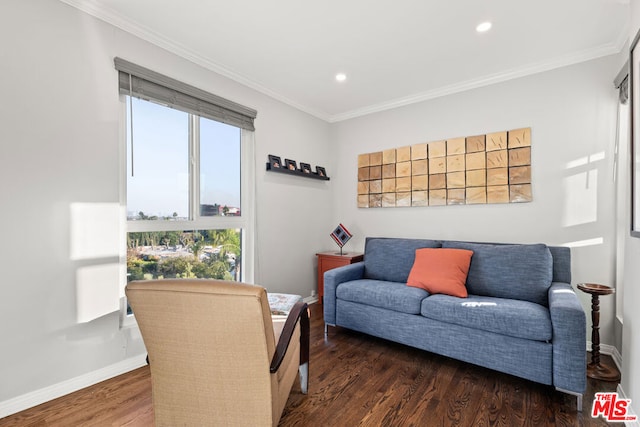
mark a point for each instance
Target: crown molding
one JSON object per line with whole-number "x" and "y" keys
{"x": 144, "y": 33}
{"x": 90, "y": 7}
{"x": 583, "y": 56}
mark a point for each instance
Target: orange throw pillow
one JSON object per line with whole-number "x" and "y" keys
{"x": 441, "y": 271}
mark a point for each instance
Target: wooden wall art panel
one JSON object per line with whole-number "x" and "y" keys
{"x": 480, "y": 169}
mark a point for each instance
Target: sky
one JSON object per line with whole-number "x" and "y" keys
{"x": 159, "y": 185}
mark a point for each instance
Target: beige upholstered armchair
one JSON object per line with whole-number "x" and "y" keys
{"x": 213, "y": 354}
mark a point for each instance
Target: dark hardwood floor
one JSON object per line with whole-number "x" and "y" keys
{"x": 355, "y": 380}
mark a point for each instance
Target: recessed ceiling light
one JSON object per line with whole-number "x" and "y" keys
{"x": 484, "y": 27}
{"x": 341, "y": 77}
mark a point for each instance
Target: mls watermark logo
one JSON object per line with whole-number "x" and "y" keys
{"x": 611, "y": 407}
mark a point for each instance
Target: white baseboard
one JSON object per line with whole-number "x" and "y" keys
{"x": 610, "y": 351}
{"x": 311, "y": 300}
{"x": 37, "y": 397}
{"x": 617, "y": 359}
{"x": 630, "y": 409}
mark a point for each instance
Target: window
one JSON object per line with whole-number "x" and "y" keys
{"x": 188, "y": 188}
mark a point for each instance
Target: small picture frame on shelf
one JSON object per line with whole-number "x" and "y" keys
{"x": 321, "y": 171}
{"x": 275, "y": 162}
{"x": 305, "y": 167}
{"x": 290, "y": 164}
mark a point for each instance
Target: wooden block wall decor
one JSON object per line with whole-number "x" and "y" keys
{"x": 477, "y": 178}
{"x": 389, "y": 185}
{"x": 438, "y": 165}
{"x": 437, "y": 181}
{"x": 389, "y": 171}
{"x": 403, "y": 154}
{"x": 403, "y": 184}
{"x": 363, "y": 187}
{"x": 403, "y": 199}
{"x": 497, "y": 159}
{"x": 375, "y": 172}
{"x": 363, "y": 173}
{"x": 419, "y": 198}
{"x": 375, "y": 159}
{"x": 456, "y": 180}
{"x": 363, "y": 160}
{"x": 375, "y": 200}
{"x": 497, "y": 194}
{"x": 476, "y": 144}
{"x": 520, "y": 193}
{"x": 389, "y": 157}
{"x": 375, "y": 186}
{"x": 437, "y": 197}
{"x": 420, "y": 167}
{"x": 496, "y": 141}
{"x": 419, "y": 151}
{"x": 478, "y": 169}
{"x": 403, "y": 169}
{"x": 520, "y": 175}
{"x": 519, "y": 138}
{"x": 388, "y": 200}
{"x": 420, "y": 183}
{"x": 456, "y": 197}
{"x": 475, "y": 161}
{"x": 476, "y": 195}
{"x": 520, "y": 156}
{"x": 499, "y": 176}
{"x": 437, "y": 149}
{"x": 455, "y": 163}
{"x": 456, "y": 146}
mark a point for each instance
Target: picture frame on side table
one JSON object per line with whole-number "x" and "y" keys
{"x": 634, "y": 92}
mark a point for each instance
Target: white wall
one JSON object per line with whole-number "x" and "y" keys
{"x": 61, "y": 124}
{"x": 572, "y": 114}
{"x": 630, "y": 383}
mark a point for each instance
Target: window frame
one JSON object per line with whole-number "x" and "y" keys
{"x": 244, "y": 222}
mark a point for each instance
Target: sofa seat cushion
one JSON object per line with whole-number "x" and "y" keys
{"x": 521, "y": 272}
{"x": 515, "y": 318}
{"x": 390, "y": 295}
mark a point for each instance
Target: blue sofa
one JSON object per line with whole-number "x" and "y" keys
{"x": 521, "y": 317}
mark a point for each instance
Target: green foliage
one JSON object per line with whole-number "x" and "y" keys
{"x": 138, "y": 267}
{"x": 189, "y": 254}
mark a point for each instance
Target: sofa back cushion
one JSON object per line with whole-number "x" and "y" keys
{"x": 391, "y": 259}
{"x": 522, "y": 272}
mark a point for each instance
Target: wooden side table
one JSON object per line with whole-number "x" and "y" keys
{"x": 595, "y": 369}
{"x": 330, "y": 260}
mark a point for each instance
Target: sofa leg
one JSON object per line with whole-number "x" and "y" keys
{"x": 304, "y": 377}
{"x": 579, "y": 402}
{"x": 577, "y": 395}
{"x": 326, "y": 329}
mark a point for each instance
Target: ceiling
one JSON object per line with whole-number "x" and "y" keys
{"x": 393, "y": 53}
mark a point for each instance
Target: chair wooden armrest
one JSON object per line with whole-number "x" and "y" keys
{"x": 299, "y": 311}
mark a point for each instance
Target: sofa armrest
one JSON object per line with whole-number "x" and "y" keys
{"x": 300, "y": 313}
{"x": 569, "y": 325}
{"x": 332, "y": 279}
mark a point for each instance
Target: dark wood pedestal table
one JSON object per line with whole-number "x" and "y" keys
{"x": 595, "y": 369}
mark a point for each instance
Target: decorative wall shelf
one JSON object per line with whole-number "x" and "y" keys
{"x": 297, "y": 172}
